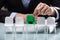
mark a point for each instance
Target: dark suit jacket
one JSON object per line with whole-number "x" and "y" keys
{"x": 17, "y": 6}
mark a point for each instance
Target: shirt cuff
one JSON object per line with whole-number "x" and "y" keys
{"x": 13, "y": 14}
{"x": 57, "y": 13}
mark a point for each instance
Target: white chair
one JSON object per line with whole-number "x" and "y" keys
{"x": 8, "y": 29}
{"x": 40, "y": 24}
{"x": 51, "y": 24}
{"x": 19, "y": 24}
{"x": 8, "y": 24}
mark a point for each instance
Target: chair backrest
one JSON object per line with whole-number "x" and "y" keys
{"x": 41, "y": 20}
{"x": 50, "y": 21}
{"x": 19, "y": 21}
{"x": 30, "y": 19}
{"x": 8, "y": 21}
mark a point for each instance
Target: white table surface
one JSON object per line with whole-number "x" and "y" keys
{"x": 29, "y": 36}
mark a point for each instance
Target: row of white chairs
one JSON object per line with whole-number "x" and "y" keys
{"x": 41, "y": 24}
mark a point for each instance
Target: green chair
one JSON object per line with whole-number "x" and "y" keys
{"x": 30, "y": 19}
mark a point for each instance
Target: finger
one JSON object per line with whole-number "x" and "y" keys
{"x": 44, "y": 9}
{"x": 35, "y": 13}
{"x": 39, "y": 5}
{"x": 40, "y": 8}
{"x": 48, "y": 11}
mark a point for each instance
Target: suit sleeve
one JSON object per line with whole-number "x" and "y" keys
{"x": 56, "y": 3}
{"x": 3, "y": 14}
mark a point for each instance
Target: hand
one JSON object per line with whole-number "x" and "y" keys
{"x": 43, "y": 9}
